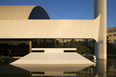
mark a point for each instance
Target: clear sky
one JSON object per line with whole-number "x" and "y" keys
{"x": 69, "y": 9}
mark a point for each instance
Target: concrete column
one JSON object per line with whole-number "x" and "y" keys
{"x": 101, "y": 68}
{"x": 30, "y": 46}
{"x": 100, "y": 8}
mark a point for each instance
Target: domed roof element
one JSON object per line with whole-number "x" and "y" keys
{"x": 22, "y": 12}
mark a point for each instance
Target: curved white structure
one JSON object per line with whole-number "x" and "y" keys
{"x": 14, "y": 23}
{"x": 15, "y": 12}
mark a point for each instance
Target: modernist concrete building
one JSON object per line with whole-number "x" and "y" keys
{"x": 15, "y": 23}
{"x": 111, "y": 33}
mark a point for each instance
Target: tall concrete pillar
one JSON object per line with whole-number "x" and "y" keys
{"x": 100, "y": 8}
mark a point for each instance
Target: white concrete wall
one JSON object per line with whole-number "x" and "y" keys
{"x": 20, "y": 29}
{"x": 49, "y": 28}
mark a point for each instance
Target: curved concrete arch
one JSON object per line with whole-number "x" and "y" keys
{"x": 15, "y": 12}
{"x": 21, "y": 12}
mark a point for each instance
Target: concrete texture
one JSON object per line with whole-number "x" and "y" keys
{"x": 14, "y": 23}
{"x": 100, "y": 8}
{"x": 52, "y": 58}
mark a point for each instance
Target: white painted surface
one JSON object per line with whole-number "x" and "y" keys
{"x": 52, "y": 58}
{"x": 11, "y": 28}
{"x": 53, "y": 50}
{"x": 20, "y": 29}
{"x": 8, "y": 12}
{"x": 101, "y": 44}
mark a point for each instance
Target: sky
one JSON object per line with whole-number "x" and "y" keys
{"x": 69, "y": 9}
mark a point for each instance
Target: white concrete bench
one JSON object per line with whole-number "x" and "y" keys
{"x": 54, "y": 50}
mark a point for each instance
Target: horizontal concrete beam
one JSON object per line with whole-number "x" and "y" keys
{"x": 49, "y": 29}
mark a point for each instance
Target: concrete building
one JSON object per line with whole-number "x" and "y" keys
{"x": 111, "y": 33}
{"x": 15, "y": 23}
